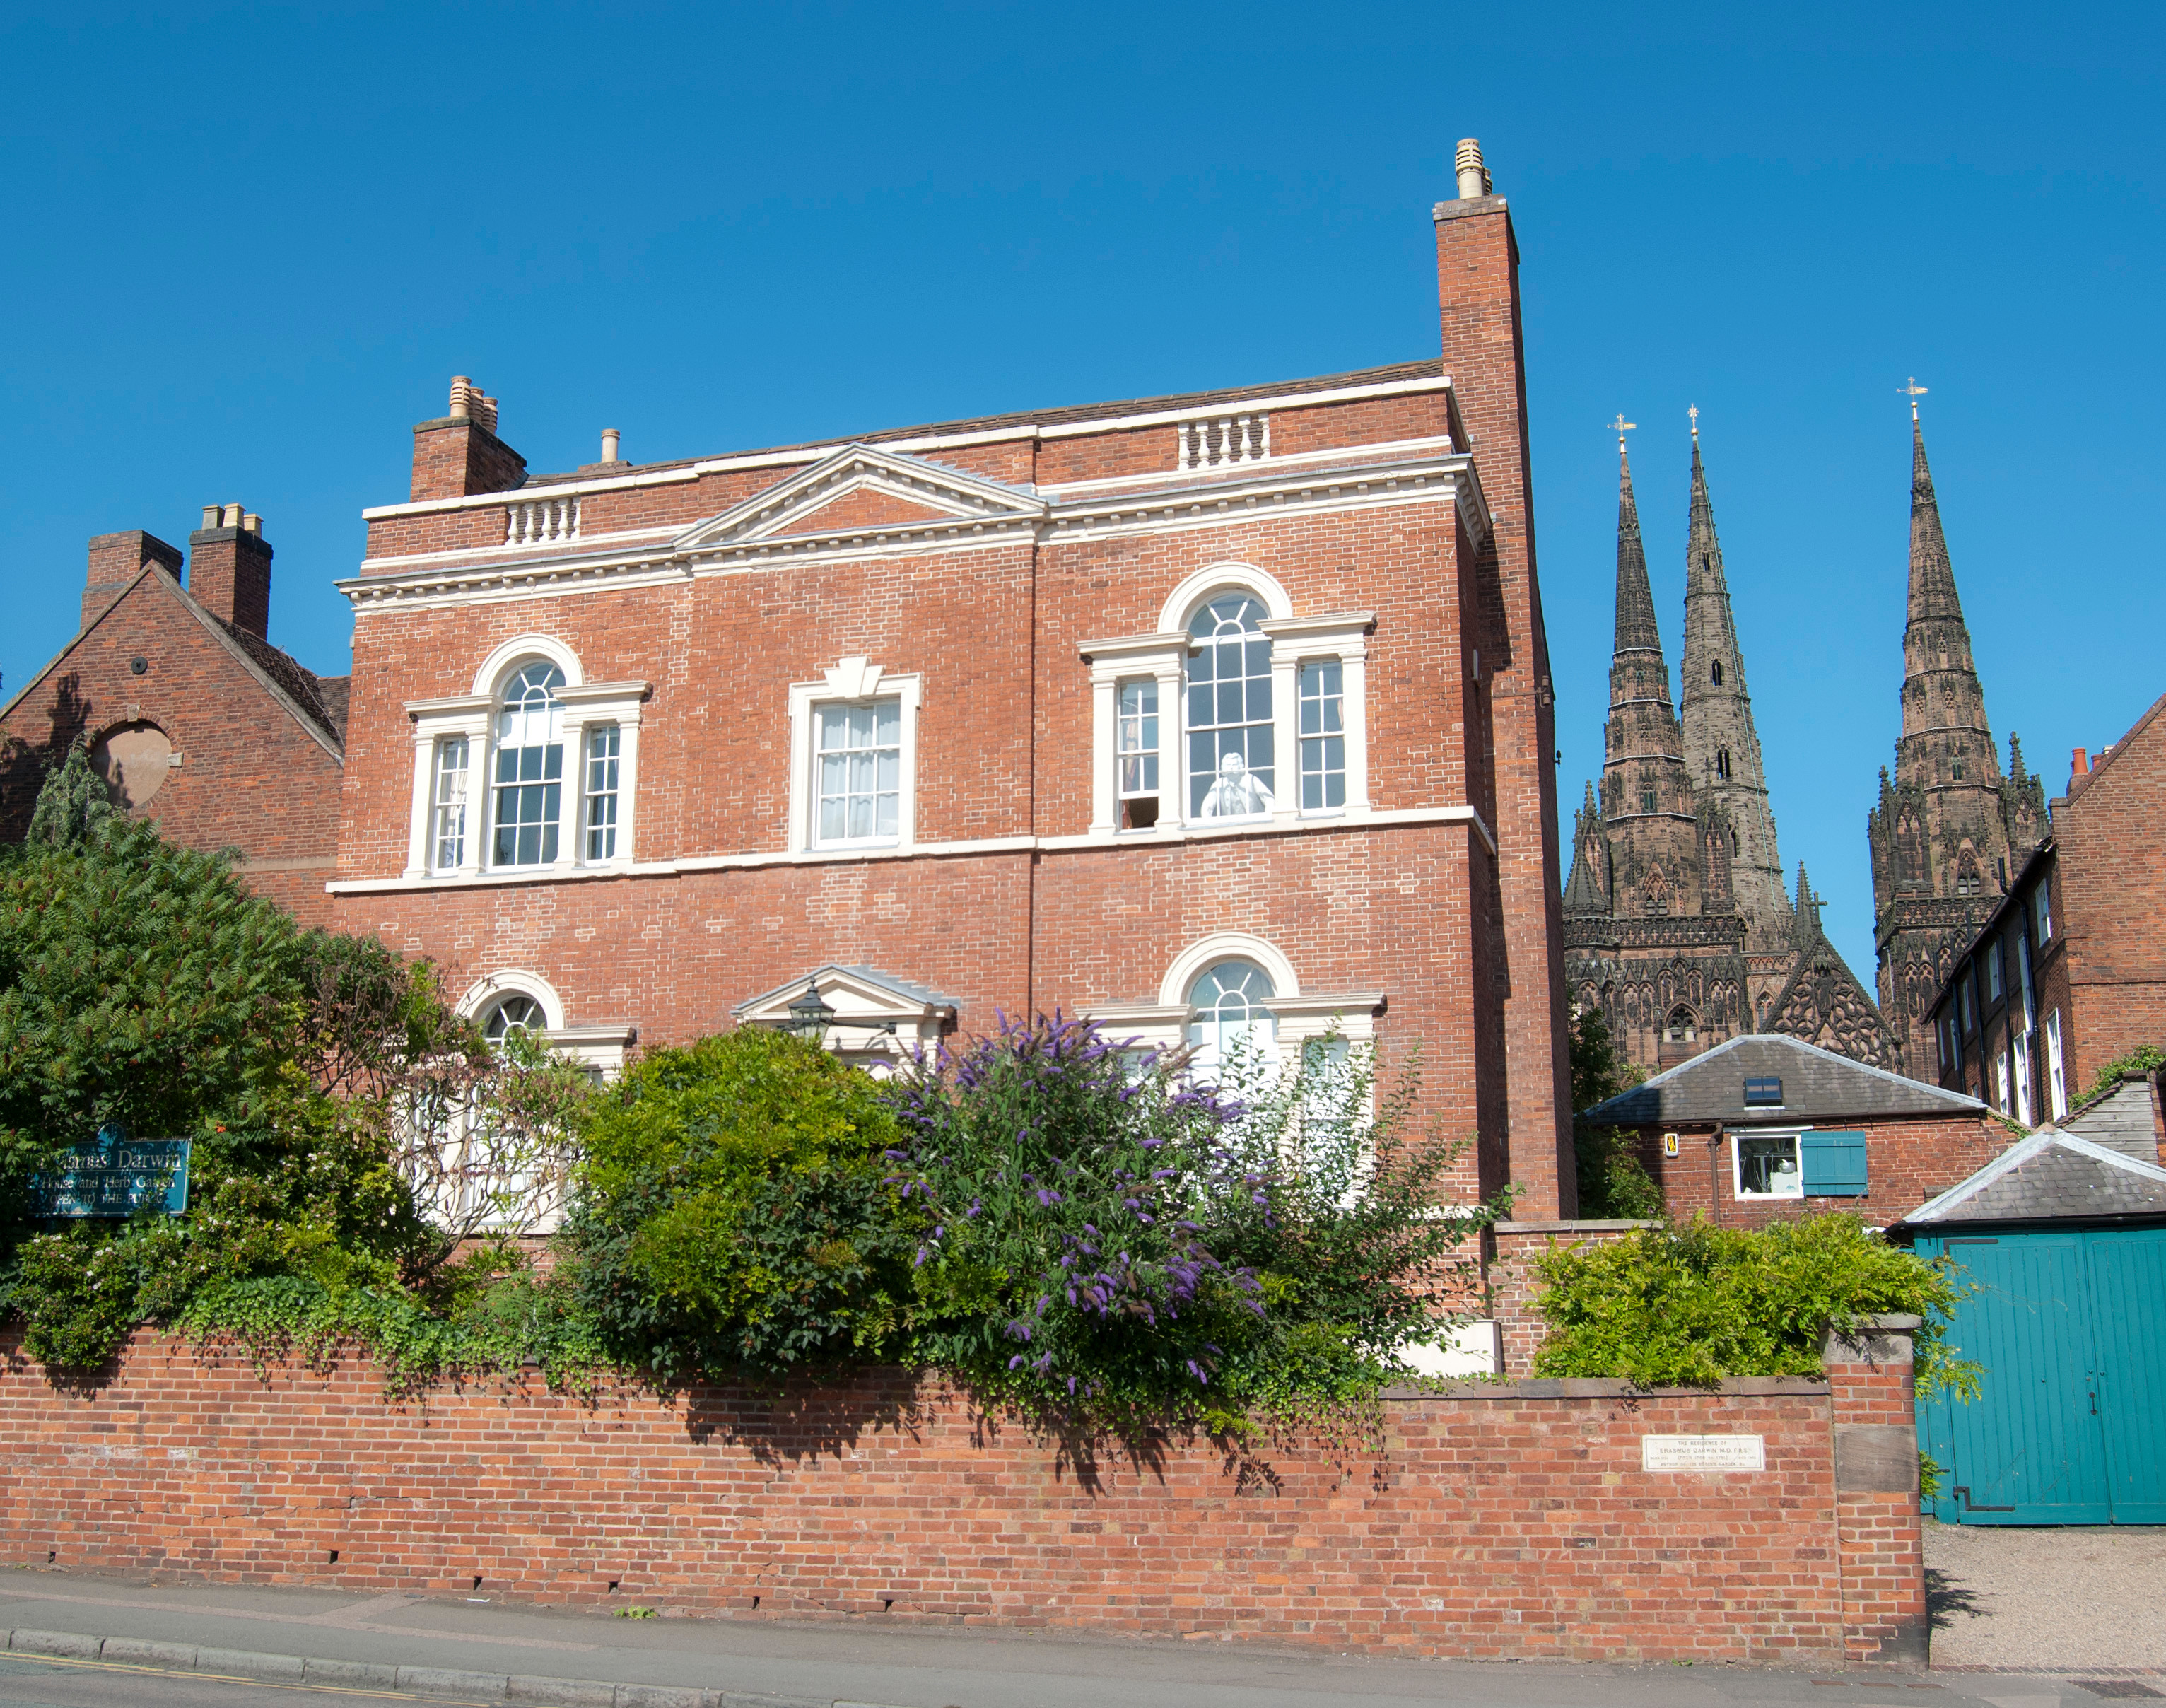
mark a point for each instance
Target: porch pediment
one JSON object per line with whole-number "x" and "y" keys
{"x": 861, "y": 493}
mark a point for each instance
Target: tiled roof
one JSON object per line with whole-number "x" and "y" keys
{"x": 294, "y": 678}
{"x": 1818, "y": 1085}
{"x": 2121, "y": 1120}
{"x": 2052, "y": 1176}
{"x": 1230, "y": 396}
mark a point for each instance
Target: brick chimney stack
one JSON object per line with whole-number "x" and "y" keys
{"x": 1477, "y": 276}
{"x": 459, "y": 453}
{"x": 115, "y": 561}
{"x": 229, "y": 567}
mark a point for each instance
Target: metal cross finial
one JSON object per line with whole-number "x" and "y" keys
{"x": 1694, "y": 411}
{"x": 1913, "y": 391}
{"x": 1620, "y": 426}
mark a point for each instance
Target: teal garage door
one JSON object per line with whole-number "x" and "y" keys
{"x": 2071, "y": 1426}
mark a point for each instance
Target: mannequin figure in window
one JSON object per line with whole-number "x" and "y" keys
{"x": 1237, "y": 794}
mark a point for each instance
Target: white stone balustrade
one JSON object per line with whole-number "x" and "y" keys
{"x": 541, "y": 521}
{"x": 1228, "y": 440}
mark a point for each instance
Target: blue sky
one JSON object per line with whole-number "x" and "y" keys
{"x": 248, "y": 245}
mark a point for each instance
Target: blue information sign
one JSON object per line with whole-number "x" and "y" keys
{"x": 115, "y": 1175}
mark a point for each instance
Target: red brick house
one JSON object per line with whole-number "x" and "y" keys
{"x": 1767, "y": 1126}
{"x": 193, "y": 717}
{"x": 2068, "y": 973}
{"x": 1215, "y": 717}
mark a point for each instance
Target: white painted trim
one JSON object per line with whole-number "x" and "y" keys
{"x": 491, "y": 678}
{"x": 1205, "y": 953}
{"x": 988, "y": 845}
{"x": 1203, "y": 479}
{"x": 1737, "y": 1136}
{"x": 920, "y": 441}
{"x": 1197, "y": 590}
{"x": 513, "y": 981}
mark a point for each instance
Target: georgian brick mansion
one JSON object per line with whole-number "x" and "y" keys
{"x": 1212, "y": 716}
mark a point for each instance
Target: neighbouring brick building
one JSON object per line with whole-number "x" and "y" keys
{"x": 193, "y": 717}
{"x": 2068, "y": 972}
{"x": 1215, "y": 717}
{"x": 1766, "y": 1127}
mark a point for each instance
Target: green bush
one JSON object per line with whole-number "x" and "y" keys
{"x": 1688, "y": 1306}
{"x": 731, "y": 1211}
{"x": 1065, "y": 1257}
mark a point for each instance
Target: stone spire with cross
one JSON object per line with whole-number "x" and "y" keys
{"x": 1949, "y": 830}
{"x": 1722, "y": 745}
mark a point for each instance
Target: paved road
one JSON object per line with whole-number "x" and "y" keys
{"x": 900, "y": 1666}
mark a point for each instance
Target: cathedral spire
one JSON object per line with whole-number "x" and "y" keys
{"x": 1721, "y": 745}
{"x": 1636, "y": 629}
{"x": 1932, "y": 576}
{"x": 1950, "y": 829}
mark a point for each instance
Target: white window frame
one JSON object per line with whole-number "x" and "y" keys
{"x": 472, "y": 715}
{"x": 2044, "y": 908}
{"x": 1163, "y": 655}
{"x": 1738, "y": 1135}
{"x": 2057, "y": 1072}
{"x": 2001, "y": 1076}
{"x": 854, "y": 681}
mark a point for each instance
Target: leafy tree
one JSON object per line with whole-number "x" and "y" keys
{"x": 1614, "y": 1184}
{"x": 73, "y": 802}
{"x": 2147, "y": 1058}
{"x": 141, "y": 984}
{"x": 731, "y": 1211}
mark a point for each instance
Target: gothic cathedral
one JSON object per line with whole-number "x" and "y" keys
{"x": 1950, "y": 832}
{"x": 1677, "y": 923}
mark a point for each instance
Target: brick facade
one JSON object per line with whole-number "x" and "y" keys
{"x": 241, "y": 742}
{"x": 1002, "y": 570}
{"x": 1512, "y": 1521}
{"x": 2086, "y": 917}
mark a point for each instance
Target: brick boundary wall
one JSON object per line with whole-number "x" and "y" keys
{"x": 1498, "y": 1521}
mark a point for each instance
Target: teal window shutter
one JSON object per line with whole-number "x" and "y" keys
{"x": 1833, "y": 1163}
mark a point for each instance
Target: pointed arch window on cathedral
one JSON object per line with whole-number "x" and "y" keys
{"x": 1646, "y": 800}
{"x": 1682, "y": 1027}
{"x": 1967, "y": 881}
{"x": 1722, "y": 763}
{"x": 1715, "y": 673}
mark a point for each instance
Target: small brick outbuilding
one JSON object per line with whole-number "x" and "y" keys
{"x": 1767, "y": 1126}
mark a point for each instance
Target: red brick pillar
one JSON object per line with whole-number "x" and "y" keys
{"x": 1876, "y": 1491}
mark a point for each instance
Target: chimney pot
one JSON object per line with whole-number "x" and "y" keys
{"x": 2079, "y": 762}
{"x": 461, "y": 389}
{"x": 210, "y": 516}
{"x": 1473, "y": 175}
{"x": 609, "y": 444}
{"x": 231, "y": 517}
{"x": 251, "y": 524}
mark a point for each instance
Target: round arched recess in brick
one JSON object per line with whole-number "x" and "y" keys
{"x": 500, "y": 663}
{"x": 514, "y": 989}
{"x": 1206, "y": 953}
{"x": 1215, "y": 578}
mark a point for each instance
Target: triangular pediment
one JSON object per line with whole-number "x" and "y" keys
{"x": 859, "y": 491}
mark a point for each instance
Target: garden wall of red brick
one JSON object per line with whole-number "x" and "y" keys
{"x": 1503, "y": 1521}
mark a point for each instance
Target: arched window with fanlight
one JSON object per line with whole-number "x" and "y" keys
{"x": 1231, "y": 1020}
{"x": 517, "y": 1012}
{"x": 1232, "y": 769}
{"x": 529, "y": 772}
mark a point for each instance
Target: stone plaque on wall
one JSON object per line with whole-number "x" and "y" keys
{"x": 1703, "y": 1453}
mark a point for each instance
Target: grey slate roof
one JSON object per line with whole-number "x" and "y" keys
{"x": 2121, "y": 1120}
{"x": 2052, "y": 1176}
{"x": 1818, "y": 1086}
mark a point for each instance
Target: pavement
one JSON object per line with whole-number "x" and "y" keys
{"x": 2053, "y": 1599}
{"x": 76, "y": 1642}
